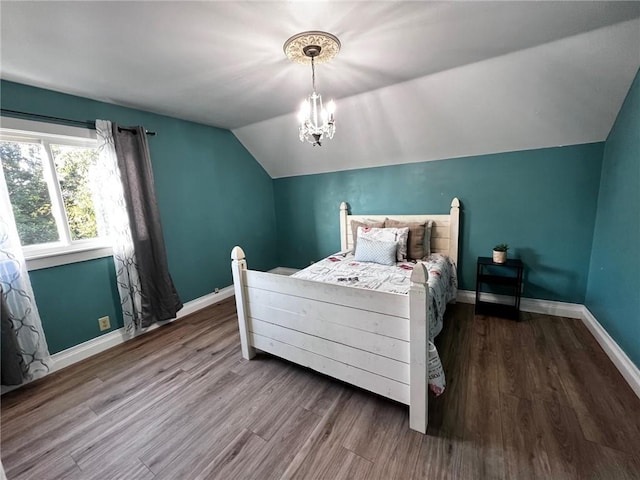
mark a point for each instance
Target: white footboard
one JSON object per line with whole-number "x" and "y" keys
{"x": 374, "y": 340}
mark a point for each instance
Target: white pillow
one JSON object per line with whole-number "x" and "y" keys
{"x": 398, "y": 235}
{"x": 375, "y": 251}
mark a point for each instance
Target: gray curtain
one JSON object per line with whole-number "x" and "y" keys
{"x": 159, "y": 298}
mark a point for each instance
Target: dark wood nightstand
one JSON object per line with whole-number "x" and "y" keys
{"x": 505, "y": 276}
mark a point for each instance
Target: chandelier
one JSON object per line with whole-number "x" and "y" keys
{"x": 313, "y": 47}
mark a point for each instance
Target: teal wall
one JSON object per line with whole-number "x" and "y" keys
{"x": 72, "y": 297}
{"x": 551, "y": 205}
{"x": 613, "y": 290}
{"x": 212, "y": 195}
{"x": 541, "y": 202}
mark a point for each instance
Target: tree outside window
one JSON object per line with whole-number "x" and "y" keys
{"x": 49, "y": 184}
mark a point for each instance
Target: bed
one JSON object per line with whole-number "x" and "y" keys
{"x": 376, "y": 340}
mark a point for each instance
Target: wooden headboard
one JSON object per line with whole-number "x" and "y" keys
{"x": 444, "y": 234}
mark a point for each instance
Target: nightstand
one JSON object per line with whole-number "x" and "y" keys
{"x": 505, "y": 277}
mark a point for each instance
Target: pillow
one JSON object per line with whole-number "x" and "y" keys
{"x": 366, "y": 224}
{"x": 416, "y": 249}
{"x": 427, "y": 241}
{"x": 398, "y": 235}
{"x": 402, "y": 237}
{"x": 374, "y": 251}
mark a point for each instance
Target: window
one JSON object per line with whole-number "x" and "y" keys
{"x": 47, "y": 169}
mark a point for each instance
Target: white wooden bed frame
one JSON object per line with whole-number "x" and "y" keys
{"x": 374, "y": 340}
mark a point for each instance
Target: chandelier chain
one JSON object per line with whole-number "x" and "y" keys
{"x": 313, "y": 73}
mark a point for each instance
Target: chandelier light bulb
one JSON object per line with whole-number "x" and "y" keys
{"x": 331, "y": 107}
{"x": 303, "y": 113}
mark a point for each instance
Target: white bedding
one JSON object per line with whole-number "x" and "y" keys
{"x": 342, "y": 269}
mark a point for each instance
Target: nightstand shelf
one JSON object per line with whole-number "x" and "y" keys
{"x": 508, "y": 277}
{"x": 498, "y": 279}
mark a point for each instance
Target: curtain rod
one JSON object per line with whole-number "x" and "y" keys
{"x": 80, "y": 123}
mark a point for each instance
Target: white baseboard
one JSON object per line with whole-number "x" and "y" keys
{"x": 87, "y": 349}
{"x": 116, "y": 337}
{"x": 623, "y": 363}
{"x": 104, "y": 342}
{"x": 533, "y": 305}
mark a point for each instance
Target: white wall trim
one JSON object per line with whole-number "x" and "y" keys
{"x": 202, "y": 302}
{"x": 29, "y": 127}
{"x": 47, "y": 260}
{"x": 87, "y": 349}
{"x": 623, "y": 363}
{"x": 116, "y": 337}
{"x": 104, "y": 342}
{"x": 533, "y": 305}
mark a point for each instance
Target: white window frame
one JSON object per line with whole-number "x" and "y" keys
{"x": 66, "y": 251}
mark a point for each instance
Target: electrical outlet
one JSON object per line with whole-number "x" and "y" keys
{"x": 104, "y": 323}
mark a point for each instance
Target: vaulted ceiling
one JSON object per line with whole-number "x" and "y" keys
{"x": 414, "y": 81}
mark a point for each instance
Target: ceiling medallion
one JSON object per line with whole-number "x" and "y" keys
{"x": 310, "y": 48}
{"x": 328, "y": 43}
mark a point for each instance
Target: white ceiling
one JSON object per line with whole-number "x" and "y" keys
{"x": 414, "y": 80}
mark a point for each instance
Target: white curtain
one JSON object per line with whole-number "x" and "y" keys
{"x": 113, "y": 221}
{"x": 30, "y": 345}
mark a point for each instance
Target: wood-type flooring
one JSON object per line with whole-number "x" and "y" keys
{"x": 536, "y": 399}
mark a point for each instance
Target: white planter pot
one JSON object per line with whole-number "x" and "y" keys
{"x": 499, "y": 257}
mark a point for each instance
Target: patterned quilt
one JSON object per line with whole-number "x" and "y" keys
{"x": 342, "y": 269}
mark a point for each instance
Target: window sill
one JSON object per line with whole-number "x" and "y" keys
{"x": 55, "y": 259}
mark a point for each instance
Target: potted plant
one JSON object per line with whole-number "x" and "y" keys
{"x": 500, "y": 253}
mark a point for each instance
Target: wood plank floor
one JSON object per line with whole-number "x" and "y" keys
{"x": 534, "y": 399}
